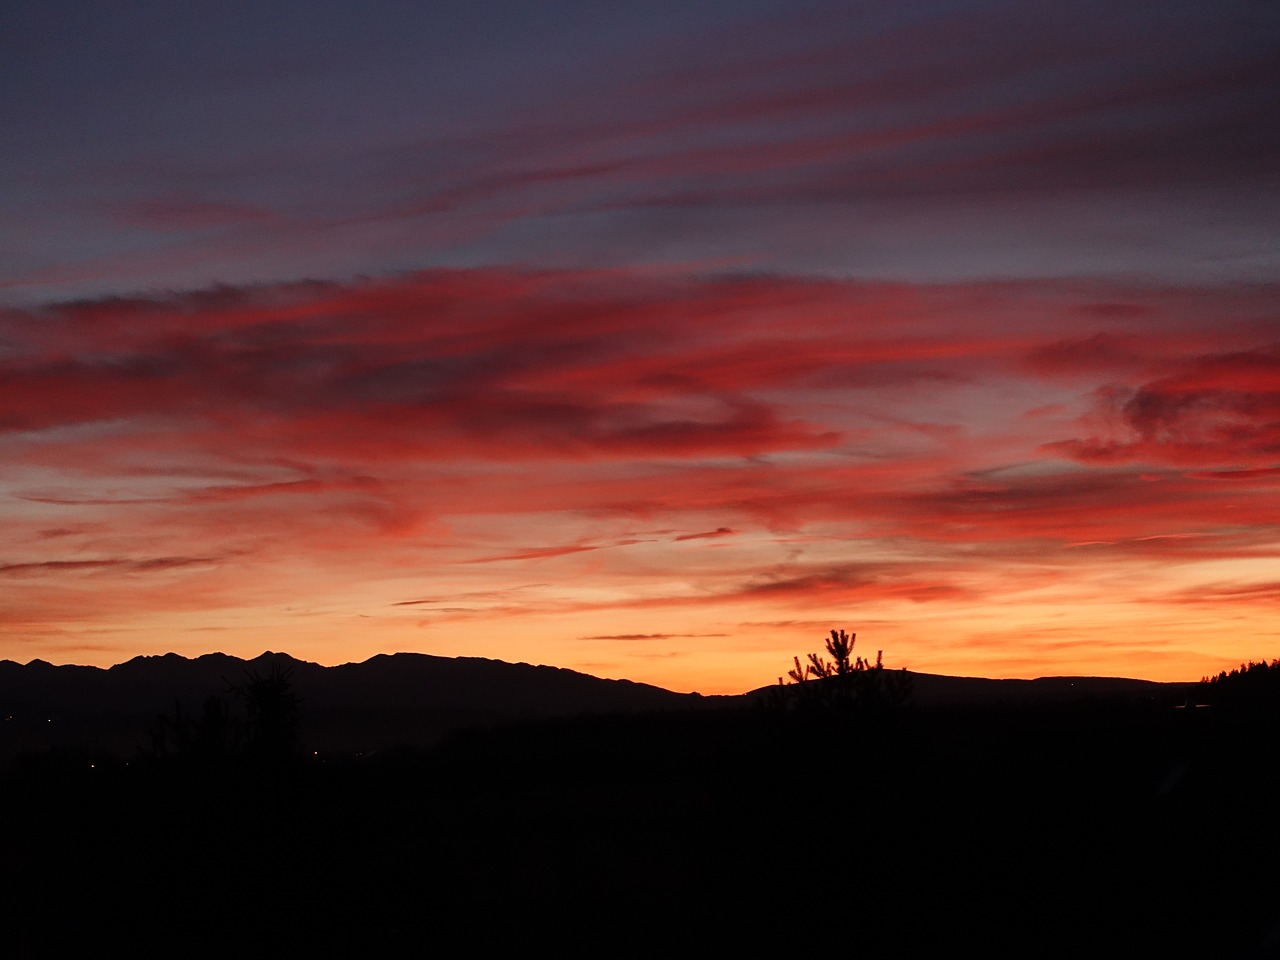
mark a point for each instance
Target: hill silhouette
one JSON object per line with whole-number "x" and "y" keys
{"x": 399, "y": 680}
{"x": 388, "y": 699}
{"x": 408, "y": 698}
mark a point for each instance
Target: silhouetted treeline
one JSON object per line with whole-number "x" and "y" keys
{"x": 1248, "y": 695}
{"x": 1256, "y": 679}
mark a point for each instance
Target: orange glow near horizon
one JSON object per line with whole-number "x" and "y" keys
{"x": 668, "y": 479}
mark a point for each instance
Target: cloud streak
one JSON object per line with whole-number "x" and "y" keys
{"x": 147, "y": 565}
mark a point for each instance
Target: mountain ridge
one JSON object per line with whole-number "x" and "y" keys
{"x": 408, "y": 679}
{"x": 389, "y": 698}
{"x": 271, "y": 656}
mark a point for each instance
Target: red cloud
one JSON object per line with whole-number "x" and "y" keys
{"x": 539, "y": 553}
{"x": 493, "y": 365}
{"x": 76, "y": 566}
{"x": 1088, "y": 355}
{"x": 841, "y": 585}
{"x": 718, "y": 532}
{"x": 1217, "y": 411}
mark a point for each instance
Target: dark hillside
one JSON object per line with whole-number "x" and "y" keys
{"x": 355, "y": 707}
{"x": 1117, "y": 828}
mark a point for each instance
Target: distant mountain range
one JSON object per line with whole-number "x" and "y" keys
{"x": 400, "y": 681}
{"x": 402, "y": 697}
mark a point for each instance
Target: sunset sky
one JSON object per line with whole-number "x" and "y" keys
{"x": 652, "y": 340}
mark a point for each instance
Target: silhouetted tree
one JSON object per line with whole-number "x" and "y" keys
{"x": 844, "y": 682}
{"x": 271, "y": 715}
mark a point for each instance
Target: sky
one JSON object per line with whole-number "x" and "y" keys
{"x": 651, "y": 340}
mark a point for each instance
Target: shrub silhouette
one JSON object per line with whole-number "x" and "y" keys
{"x": 843, "y": 683}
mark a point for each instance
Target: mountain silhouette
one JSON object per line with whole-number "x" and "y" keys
{"x": 931, "y": 689}
{"x": 354, "y": 707}
{"x": 405, "y": 698}
{"x": 401, "y": 680}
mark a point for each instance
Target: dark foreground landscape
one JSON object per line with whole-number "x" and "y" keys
{"x": 503, "y": 805}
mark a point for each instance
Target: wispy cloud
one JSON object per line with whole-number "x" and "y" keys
{"x": 144, "y": 565}
{"x": 706, "y": 535}
{"x": 1206, "y": 410}
{"x": 651, "y": 636}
